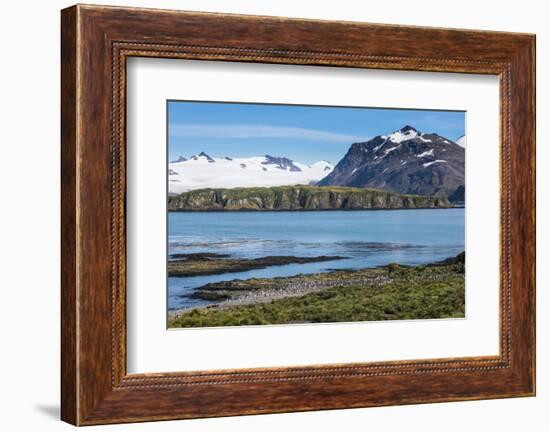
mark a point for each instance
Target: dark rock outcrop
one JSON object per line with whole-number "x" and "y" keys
{"x": 281, "y": 163}
{"x": 179, "y": 159}
{"x": 202, "y": 154}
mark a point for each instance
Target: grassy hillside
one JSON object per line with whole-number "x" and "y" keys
{"x": 284, "y": 198}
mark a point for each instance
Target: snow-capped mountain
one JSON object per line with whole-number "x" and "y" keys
{"x": 202, "y": 171}
{"x": 405, "y": 161}
{"x": 179, "y": 159}
{"x": 462, "y": 141}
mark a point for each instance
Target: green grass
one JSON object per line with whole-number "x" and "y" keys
{"x": 425, "y": 292}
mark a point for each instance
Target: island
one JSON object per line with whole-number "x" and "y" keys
{"x": 299, "y": 198}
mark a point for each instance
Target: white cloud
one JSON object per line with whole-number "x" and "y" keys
{"x": 258, "y": 131}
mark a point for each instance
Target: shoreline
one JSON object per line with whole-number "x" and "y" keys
{"x": 249, "y": 210}
{"x": 230, "y": 297}
{"x": 288, "y": 287}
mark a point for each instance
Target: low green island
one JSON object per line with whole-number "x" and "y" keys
{"x": 391, "y": 292}
{"x": 299, "y": 198}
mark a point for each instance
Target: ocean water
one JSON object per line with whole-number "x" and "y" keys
{"x": 365, "y": 238}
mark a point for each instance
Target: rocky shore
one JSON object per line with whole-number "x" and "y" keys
{"x": 384, "y": 293}
{"x": 195, "y": 264}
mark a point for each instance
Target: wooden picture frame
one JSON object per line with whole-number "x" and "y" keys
{"x": 95, "y": 42}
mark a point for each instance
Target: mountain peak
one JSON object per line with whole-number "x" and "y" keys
{"x": 408, "y": 128}
{"x": 206, "y": 156}
{"x": 462, "y": 141}
{"x": 281, "y": 163}
{"x": 179, "y": 159}
{"x": 405, "y": 161}
{"x": 403, "y": 134}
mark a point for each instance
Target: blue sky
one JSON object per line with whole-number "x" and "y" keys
{"x": 301, "y": 133}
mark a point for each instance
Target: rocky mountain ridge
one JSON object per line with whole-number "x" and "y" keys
{"x": 406, "y": 161}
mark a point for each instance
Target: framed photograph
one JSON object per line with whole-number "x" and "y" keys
{"x": 264, "y": 215}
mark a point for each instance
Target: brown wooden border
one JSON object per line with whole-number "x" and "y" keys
{"x": 95, "y": 43}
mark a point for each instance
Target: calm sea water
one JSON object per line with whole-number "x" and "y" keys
{"x": 365, "y": 238}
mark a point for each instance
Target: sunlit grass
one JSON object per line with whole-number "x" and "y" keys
{"x": 424, "y": 292}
